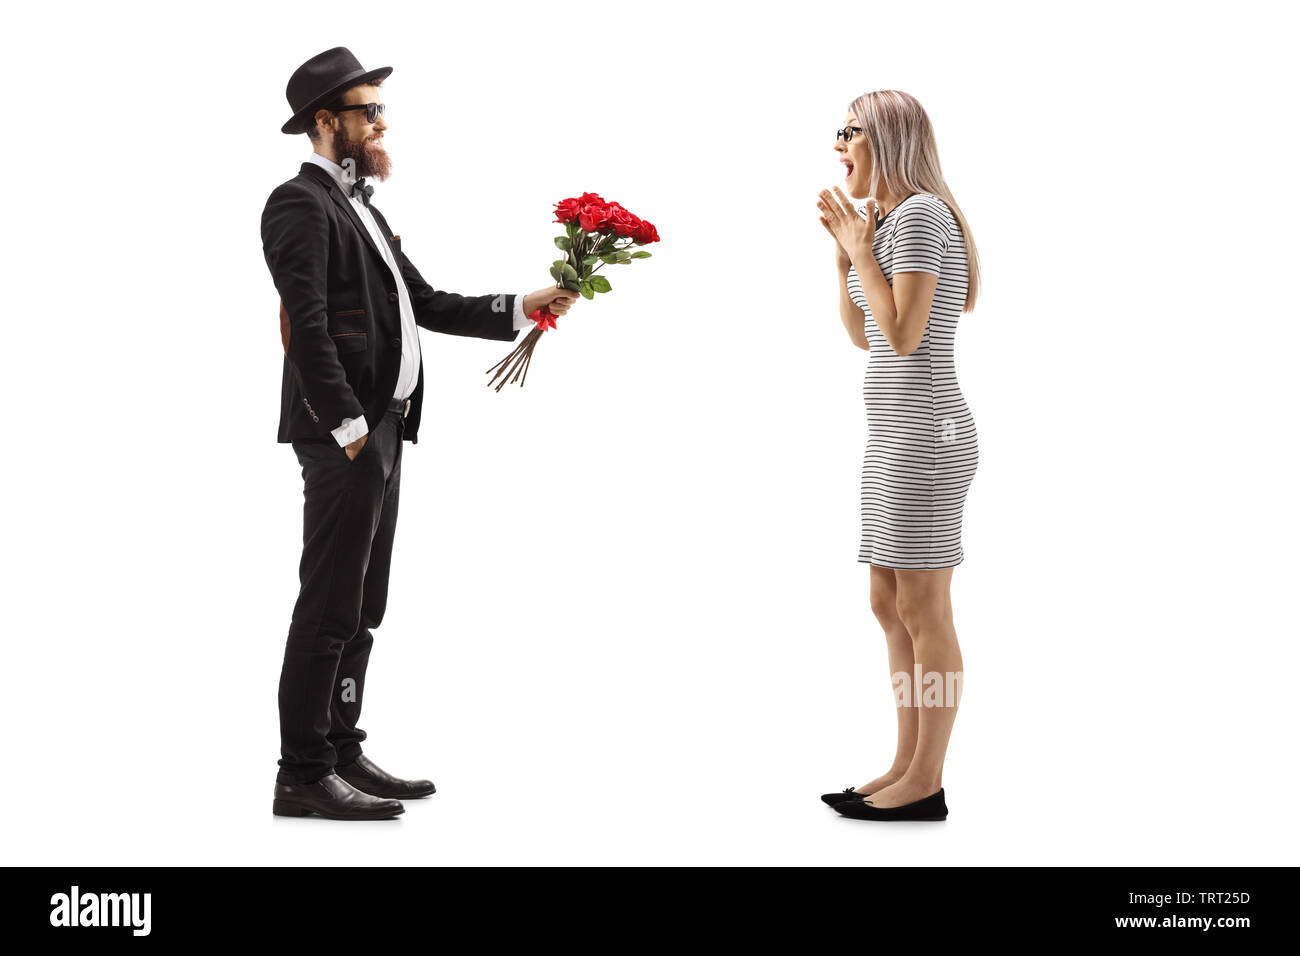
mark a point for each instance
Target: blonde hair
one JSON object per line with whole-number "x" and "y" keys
{"x": 904, "y": 153}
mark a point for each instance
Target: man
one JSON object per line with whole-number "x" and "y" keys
{"x": 352, "y": 387}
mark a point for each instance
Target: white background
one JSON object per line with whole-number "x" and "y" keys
{"x": 626, "y": 621}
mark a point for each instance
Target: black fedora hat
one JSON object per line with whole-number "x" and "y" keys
{"x": 320, "y": 80}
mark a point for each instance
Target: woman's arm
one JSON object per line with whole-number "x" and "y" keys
{"x": 854, "y": 319}
{"x": 901, "y": 313}
{"x": 876, "y": 290}
{"x": 850, "y": 231}
{"x": 920, "y": 240}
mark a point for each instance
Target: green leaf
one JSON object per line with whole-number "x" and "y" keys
{"x": 600, "y": 283}
{"x": 585, "y": 289}
{"x": 609, "y": 258}
{"x": 640, "y": 254}
{"x": 556, "y": 273}
{"x": 590, "y": 261}
{"x": 571, "y": 285}
{"x": 569, "y": 271}
{"x": 562, "y": 242}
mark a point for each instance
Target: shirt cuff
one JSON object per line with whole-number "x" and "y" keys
{"x": 350, "y": 431}
{"x": 521, "y": 321}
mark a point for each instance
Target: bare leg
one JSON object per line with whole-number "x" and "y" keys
{"x": 925, "y": 608}
{"x": 884, "y": 605}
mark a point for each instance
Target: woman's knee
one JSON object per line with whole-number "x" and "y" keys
{"x": 884, "y": 605}
{"x": 921, "y": 614}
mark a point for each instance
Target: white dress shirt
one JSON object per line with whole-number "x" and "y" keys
{"x": 408, "y": 375}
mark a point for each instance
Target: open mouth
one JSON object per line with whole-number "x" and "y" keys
{"x": 848, "y": 168}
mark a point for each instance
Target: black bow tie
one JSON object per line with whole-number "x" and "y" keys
{"x": 363, "y": 191}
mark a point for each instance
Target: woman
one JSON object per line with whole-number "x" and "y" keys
{"x": 909, "y": 272}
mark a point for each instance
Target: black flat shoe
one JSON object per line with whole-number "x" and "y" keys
{"x": 927, "y": 808}
{"x": 366, "y": 776}
{"x": 332, "y": 797}
{"x": 848, "y": 793}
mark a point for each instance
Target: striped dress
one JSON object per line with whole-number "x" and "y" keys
{"x": 922, "y": 449}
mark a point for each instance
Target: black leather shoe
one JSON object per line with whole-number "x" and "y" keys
{"x": 927, "y": 808}
{"x": 333, "y": 797}
{"x": 368, "y": 778}
{"x": 848, "y": 793}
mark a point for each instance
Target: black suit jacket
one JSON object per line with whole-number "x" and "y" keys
{"x": 339, "y": 315}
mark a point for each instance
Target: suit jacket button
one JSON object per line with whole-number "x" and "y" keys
{"x": 392, "y": 297}
{"x": 396, "y": 343}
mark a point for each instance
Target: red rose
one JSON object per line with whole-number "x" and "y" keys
{"x": 625, "y": 223}
{"x": 646, "y": 232}
{"x": 566, "y": 210}
{"x": 593, "y": 216}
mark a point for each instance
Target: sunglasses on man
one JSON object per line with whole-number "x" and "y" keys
{"x": 373, "y": 110}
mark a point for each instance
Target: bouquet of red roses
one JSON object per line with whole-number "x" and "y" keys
{"x": 596, "y": 233}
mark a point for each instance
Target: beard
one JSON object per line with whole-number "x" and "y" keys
{"x": 370, "y": 162}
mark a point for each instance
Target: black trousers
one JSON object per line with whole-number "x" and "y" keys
{"x": 348, "y": 519}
